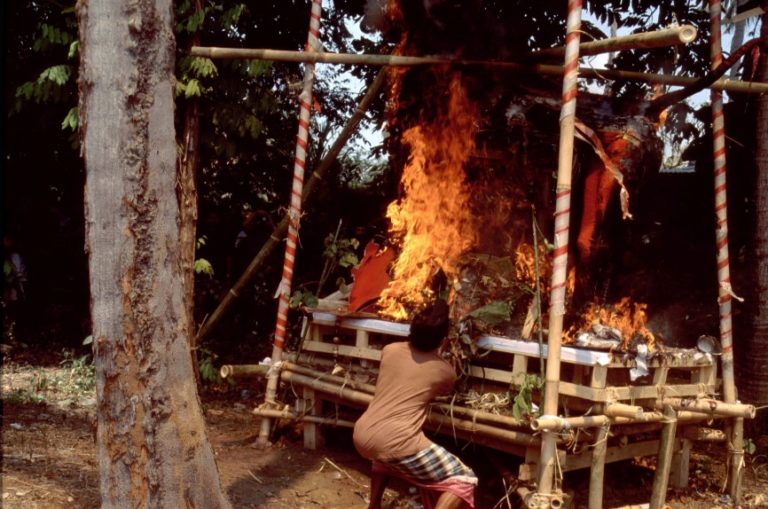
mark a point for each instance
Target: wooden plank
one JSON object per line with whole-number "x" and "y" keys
{"x": 310, "y": 404}
{"x": 681, "y": 460}
{"x": 345, "y": 350}
{"x": 633, "y": 450}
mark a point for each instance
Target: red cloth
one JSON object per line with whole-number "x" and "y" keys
{"x": 371, "y": 276}
{"x": 430, "y": 492}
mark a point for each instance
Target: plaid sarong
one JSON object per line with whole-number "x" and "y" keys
{"x": 433, "y": 464}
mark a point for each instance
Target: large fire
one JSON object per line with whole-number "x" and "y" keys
{"x": 433, "y": 220}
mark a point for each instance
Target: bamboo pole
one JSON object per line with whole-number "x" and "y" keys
{"x": 288, "y": 414}
{"x": 547, "y": 482}
{"x": 614, "y": 409}
{"x": 736, "y": 446}
{"x": 710, "y": 406}
{"x": 555, "y": 423}
{"x": 597, "y": 469}
{"x": 443, "y": 409}
{"x": 440, "y": 422}
{"x": 282, "y": 228}
{"x": 243, "y": 370}
{"x": 530, "y": 68}
{"x": 293, "y": 215}
{"x": 672, "y": 36}
{"x": 666, "y": 447}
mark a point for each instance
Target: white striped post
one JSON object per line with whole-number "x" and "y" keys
{"x": 725, "y": 293}
{"x": 294, "y": 215}
{"x": 546, "y": 481}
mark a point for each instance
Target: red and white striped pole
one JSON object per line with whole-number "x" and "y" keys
{"x": 546, "y": 481}
{"x": 725, "y": 292}
{"x": 294, "y": 214}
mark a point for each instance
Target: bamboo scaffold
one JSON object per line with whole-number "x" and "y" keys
{"x": 527, "y": 64}
{"x": 547, "y": 482}
{"x": 294, "y": 214}
{"x": 734, "y": 430}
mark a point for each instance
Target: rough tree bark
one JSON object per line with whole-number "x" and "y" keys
{"x": 754, "y": 383}
{"x": 152, "y": 445}
{"x": 187, "y": 193}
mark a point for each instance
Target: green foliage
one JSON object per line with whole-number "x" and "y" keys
{"x": 749, "y": 446}
{"x": 203, "y": 266}
{"x": 341, "y": 250}
{"x": 72, "y": 120}
{"x": 208, "y": 371}
{"x": 303, "y": 298}
{"x": 81, "y": 371}
{"x": 494, "y": 313}
{"x": 522, "y": 407}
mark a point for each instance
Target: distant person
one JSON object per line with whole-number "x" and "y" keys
{"x": 15, "y": 280}
{"x": 390, "y": 433}
{"x": 256, "y": 229}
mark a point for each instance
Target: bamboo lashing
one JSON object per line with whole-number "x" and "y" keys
{"x": 546, "y": 482}
{"x": 294, "y": 213}
{"x": 725, "y": 293}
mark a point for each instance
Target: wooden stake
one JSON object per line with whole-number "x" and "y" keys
{"x": 661, "y": 479}
{"x": 597, "y": 470}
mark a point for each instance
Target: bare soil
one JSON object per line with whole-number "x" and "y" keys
{"x": 49, "y": 455}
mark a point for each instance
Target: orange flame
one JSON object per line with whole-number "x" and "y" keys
{"x": 628, "y": 317}
{"x": 433, "y": 220}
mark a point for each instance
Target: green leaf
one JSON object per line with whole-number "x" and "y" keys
{"x": 72, "y": 120}
{"x": 255, "y": 68}
{"x": 493, "y": 314}
{"x": 203, "y": 67}
{"x": 192, "y": 89}
{"x": 348, "y": 259}
{"x": 58, "y": 74}
{"x": 74, "y": 48}
{"x": 203, "y": 266}
{"x": 230, "y": 18}
{"x": 195, "y": 21}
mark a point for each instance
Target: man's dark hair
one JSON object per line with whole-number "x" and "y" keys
{"x": 429, "y": 326}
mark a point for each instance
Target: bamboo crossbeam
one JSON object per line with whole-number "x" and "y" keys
{"x": 623, "y": 410}
{"x": 437, "y": 409}
{"x": 711, "y": 406}
{"x": 531, "y": 68}
{"x": 667, "y": 37}
{"x": 672, "y": 36}
{"x": 699, "y": 434}
{"x": 437, "y": 421}
{"x": 556, "y": 423}
{"x": 243, "y": 370}
{"x": 288, "y": 414}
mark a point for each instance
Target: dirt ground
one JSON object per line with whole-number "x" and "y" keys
{"x": 49, "y": 455}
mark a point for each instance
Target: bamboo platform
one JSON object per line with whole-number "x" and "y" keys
{"x": 338, "y": 364}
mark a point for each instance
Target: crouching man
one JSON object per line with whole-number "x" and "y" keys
{"x": 411, "y": 375}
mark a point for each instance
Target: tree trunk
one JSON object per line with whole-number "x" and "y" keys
{"x": 187, "y": 196}
{"x": 152, "y": 444}
{"x": 754, "y": 383}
